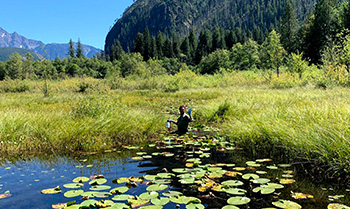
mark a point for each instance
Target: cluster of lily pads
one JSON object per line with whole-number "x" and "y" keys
{"x": 189, "y": 185}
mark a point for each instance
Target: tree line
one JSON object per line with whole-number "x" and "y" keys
{"x": 323, "y": 39}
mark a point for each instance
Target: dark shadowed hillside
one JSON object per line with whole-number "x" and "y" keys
{"x": 252, "y": 16}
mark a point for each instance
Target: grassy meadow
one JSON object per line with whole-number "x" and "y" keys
{"x": 260, "y": 113}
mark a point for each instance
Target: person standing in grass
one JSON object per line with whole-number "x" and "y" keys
{"x": 183, "y": 120}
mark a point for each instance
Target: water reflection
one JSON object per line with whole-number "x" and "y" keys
{"x": 25, "y": 178}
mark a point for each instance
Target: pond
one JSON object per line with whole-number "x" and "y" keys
{"x": 198, "y": 172}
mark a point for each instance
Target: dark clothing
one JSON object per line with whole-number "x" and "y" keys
{"x": 182, "y": 124}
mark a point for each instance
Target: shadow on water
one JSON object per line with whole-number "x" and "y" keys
{"x": 25, "y": 178}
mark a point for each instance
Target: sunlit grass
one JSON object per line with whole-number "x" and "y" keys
{"x": 304, "y": 121}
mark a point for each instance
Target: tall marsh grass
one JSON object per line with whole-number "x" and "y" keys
{"x": 258, "y": 111}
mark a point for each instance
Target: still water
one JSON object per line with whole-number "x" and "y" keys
{"x": 24, "y": 179}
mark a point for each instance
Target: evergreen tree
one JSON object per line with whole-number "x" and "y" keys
{"x": 160, "y": 44}
{"x": 116, "y": 51}
{"x": 289, "y": 28}
{"x": 204, "y": 45}
{"x": 71, "y": 52}
{"x": 168, "y": 48}
{"x": 218, "y": 40}
{"x": 176, "y": 45}
{"x": 138, "y": 43}
{"x": 346, "y": 15}
{"x": 324, "y": 29}
{"x": 80, "y": 50}
{"x": 192, "y": 39}
{"x": 230, "y": 39}
{"x": 186, "y": 49}
{"x": 147, "y": 45}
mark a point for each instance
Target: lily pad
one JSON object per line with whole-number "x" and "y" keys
{"x": 235, "y": 191}
{"x": 180, "y": 170}
{"x": 232, "y": 183}
{"x": 88, "y": 203}
{"x": 81, "y": 179}
{"x": 272, "y": 167}
{"x": 51, "y": 191}
{"x": 160, "y": 201}
{"x": 187, "y": 181}
{"x": 104, "y": 203}
{"x": 137, "y": 202}
{"x": 6, "y": 195}
{"x": 122, "y": 197}
{"x": 156, "y": 187}
{"x": 151, "y": 207}
{"x": 100, "y": 187}
{"x": 284, "y": 165}
{"x": 287, "y": 181}
{"x": 120, "y": 180}
{"x": 73, "y": 185}
{"x": 73, "y": 193}
{"x": 195, "y": 206}
{"x": 165, "y": 175}
{"x": 337, "y": 206}
{"x": 89, "y": 194}
{"x": 119, "y": 206}
{"x": 286, "y": 204}
{"x": 299, "y": 195}
{"x": 250, "y": 176}
{"x": 171, "y": 193}
{"x": 119, "y": 190}
{"x": 261, "y": 181}
{"x": 238, "y": 200}
{"x": 184, "y": 200}
{"x": 230, "y": 207}
{"x": 232, "y": 173}
{"x": 264, "y": 190}
{"x": 148, "y": 195}
{"x": 98, "y": 181}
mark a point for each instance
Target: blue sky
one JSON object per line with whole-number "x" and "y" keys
{"x": 58, "y": 21}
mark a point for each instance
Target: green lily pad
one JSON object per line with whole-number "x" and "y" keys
{"x": 150, "y": 177}
{"x": 119, "y": 190}
{"x": 88, "y": 203}
{"x": 275, "y": 186}
{"x": 261, "y": 181}
{"x": 180, "y": 170}
{"x": 160, "y": 201}
{"x": 51, "y": 191}
{"x": 264, "y": 190}
{"x": 284, "y": 165}
{"x": 232, "y": 183}
{"x": 238, "y": 200}
{"x": 122, "y": 197}
{"x": 235, "y": 191}
{"x": 103, "y": 194}
{"x": 151, "y": 207}
{"x": 73, "y": 185}
{"x": 165, "y": 175}
{"x": 171, "y": 193}
{"x": 286, "y": 204}
{"x": 250, "y": 176}
{"x": 187, "y": 181}
{"x": 98, "y": 181}
{"x": 89, "y": 194}
{"x": 121, "y": 180}
{"x": 162, "y": 181}
{"x": 81, "y": 179}
{"x": 184, "y": 199}
{"x": 261, "y": 172}
{"x": 195, "y": 206}
{"x": 137, "y": 202}
{"x": 73, "y": 193}
{"x": 156, "y": 187}
{"x": 272, "y": 167}
{"x": 100, "y": 187}
{"x": 230, "y": 207}
{"x": 119, "y": 206}
{"x": 337, "y": 206}
{"x": 141, "y": 153}
{"x": 148, "y": 195}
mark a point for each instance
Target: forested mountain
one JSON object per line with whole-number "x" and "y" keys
{"x": 50, "y": 51}
{"x": 254, "y": 17}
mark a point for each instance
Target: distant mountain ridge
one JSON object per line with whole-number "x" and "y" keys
{"x": 50, "y": 51}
